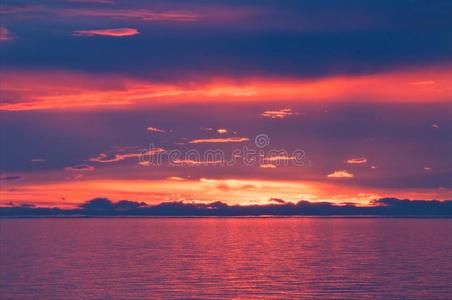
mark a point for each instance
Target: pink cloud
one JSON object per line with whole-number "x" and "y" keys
{"x": 140, "y": 14}
{"x": 116, "y": 32}
{"x": 357, "y": 161}
{"x": 106, "y": 158}
{"x": 191, "y": 162}
{"x": 282, "y": 157}
{"x": 268, "y": 166}
{"x": 155, "y": 129}
{"x": 79, "y": 168}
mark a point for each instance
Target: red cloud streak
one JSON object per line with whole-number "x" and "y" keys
{"x": 117, "y": 32}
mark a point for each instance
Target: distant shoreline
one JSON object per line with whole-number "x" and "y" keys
{"x": 105, "y": 208}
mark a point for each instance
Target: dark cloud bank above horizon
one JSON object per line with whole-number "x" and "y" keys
{"x": 105, "y": 207}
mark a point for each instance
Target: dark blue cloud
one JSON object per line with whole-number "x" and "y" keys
{"x": 175, "y": 56}
{"x": 289, "y": 38}
{"x": 105, "y": 207}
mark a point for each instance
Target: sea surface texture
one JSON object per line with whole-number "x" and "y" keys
{"x": 224, "y": 258}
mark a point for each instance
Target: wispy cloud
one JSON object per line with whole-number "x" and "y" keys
{"x": 115, "y": 32}
{"x": 268, "y": 166}
{"x": 341, "y": 174}
{"x": 145, "y": 15}
{"x": 357, "y": 161}
{"x": 191, "y": 162}
{"x": 279, "y": 114}
{"x": 79, "y": 168}
{"x": 424, "y": 82}
{"x": 110, "y": 158}
{"x": 37, "y": 160}
{"x": 155, "y": 129}
{"x": 175, "y": 178}
{"x": 20, "y": 9}
{"x": 36, "y": 90}
{"x": 218, "y": 130}
{"x": 220, "y": 140}
{"x": 11, "y": 178}
{"x": 279, "y": 158}
{"x": 93, "y": 1}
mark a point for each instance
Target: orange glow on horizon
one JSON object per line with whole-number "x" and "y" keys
{"x": 230, "y": 191}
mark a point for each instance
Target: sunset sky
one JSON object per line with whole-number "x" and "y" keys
{"x": 354, "y": 97}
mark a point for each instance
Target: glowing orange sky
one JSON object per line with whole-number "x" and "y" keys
{"x": 232, "y": 191}
{"x": 357, "y": 101}
{"x": 60, "y": 90}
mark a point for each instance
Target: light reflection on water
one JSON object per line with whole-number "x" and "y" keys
{"x": 225, "y": 258}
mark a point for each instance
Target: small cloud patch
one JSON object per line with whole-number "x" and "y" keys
{"x": 114, "y": 32}
{"x": 268, "y": 166}
{"x": 357, "y": 161}
{"x": 5, "y": 34}
{"x": 155, "y": 129}
{"x": 220, "y": 140}
{"x": 222, "y": 130}
{"x": 83, "y": 168}
{"x": 279, "y": 114}
{"x": 37, "y": 160}
{"x": 340, "y": 174}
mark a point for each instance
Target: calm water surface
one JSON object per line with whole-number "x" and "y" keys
{"x": 206, "y": 258}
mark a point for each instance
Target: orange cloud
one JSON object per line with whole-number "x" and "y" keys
{"x": 357, "y": 161}
{"x": 222, "y": 130}
{"x": 267, "y": 166}
{"x": 340, "y": 174}
{"x": 279, "y": 114}
{"x": 279, "y": 158}
{"x": 220, "y": 140}
{"x": 116, "y": 32}
{"x": 175, "y": 178}
{"x": 59, "y": 90}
